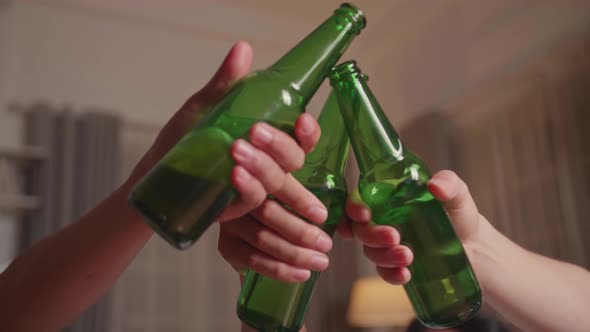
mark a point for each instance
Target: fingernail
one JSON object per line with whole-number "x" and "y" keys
{"x": 318, "y": 213}
{"x": 319, "y": 262}
{"x": 262, "y": 134}
{"x": 243, "y": 151}
{"x": 301, "y": 275}
{"x": 324, "y": 243}
{"x": 307, "y": 126}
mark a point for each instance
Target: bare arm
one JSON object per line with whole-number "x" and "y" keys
{"x": 533, "y": 292}
{"x": 51, "y": 283}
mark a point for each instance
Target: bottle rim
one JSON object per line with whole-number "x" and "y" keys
{"x": 346, "y": 69}
{"x": 354, "y": 14}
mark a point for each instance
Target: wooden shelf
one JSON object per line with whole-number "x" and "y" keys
{"x": 18, "y": 202}
{"x": 26, "y": 153}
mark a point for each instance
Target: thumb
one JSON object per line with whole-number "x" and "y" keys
{"x": 448, "y": 188}
{"x": 235, "y": 66}
{"x": 356, "y": 209}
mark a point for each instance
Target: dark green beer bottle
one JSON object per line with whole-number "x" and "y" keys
{"x": 184, "y": 193}
{"x": 443, "y": 290}
{"x": 270, "y": 305}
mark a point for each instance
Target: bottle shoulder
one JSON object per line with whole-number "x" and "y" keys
{"x": 263, "y": 91}
{"x": 390, "y": 167}
{"x": 270, "y": 84}
{"x": 405, "y": 179}
{"x": 320, "y": 178}
{"x": 258, "y": 97}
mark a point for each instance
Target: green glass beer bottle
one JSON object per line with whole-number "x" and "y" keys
{"x": 184, "y": 193}
{"x": 443, "y": 290}
{"x": 270, "y": 305}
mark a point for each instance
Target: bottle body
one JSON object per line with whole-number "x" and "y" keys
{"x": 271, "y": 305}
{"x": 189, "y": 188}
{"x": 443, "y": 288}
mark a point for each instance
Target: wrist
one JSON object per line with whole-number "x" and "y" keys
{"x": 483, "y": 247}
{"x": 120, "y": 199}
{"x": 492, "y": 255}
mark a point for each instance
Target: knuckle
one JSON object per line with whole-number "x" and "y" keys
{"x": 291, "y": 256}
{"x": 254, "y": 261}
{"x": 275, "y": 182}
{"x": 259, "y": 239}
{"x": 298, "y": 160}
{"x": 301, "y": 258}
{"x": 258, "y": 198}
{"x": 262, "y": 211}
{"x": 266, "y": 210}
{"x": 309, "y": 234}
{"x": 253, "y": 198}
{"x": 280, "y": 271}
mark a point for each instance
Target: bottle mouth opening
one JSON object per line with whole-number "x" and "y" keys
{"x": 353, "y": 13}
{"x": 346, "y": 69}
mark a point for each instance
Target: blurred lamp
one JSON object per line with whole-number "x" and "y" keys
{"x": 375, "y": 303}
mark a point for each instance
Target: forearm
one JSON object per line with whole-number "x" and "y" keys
{"x": 533, "y": 292}
{"x": 52, "y": 282}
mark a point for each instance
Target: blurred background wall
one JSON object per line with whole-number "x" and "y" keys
{"x": 460, "y": 79}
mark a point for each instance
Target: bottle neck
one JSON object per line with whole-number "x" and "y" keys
{"x": 372, "y": 136}
{"x": 331, "y": 151}
{"x": 307, "y": 64}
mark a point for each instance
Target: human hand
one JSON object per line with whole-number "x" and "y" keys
{"x": 262, "y": 164}
{"x": 274, "y": 242}
{"x": 381, "y": 243}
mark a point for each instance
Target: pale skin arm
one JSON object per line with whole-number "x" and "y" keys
{"x": 50, "y": 284}
{"x": 533, "y": 292}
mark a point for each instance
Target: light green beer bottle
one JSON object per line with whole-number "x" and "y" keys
{"x": 443, "y": 290}
{"x": 184, "y": 193}
{"x": 270, "y": 305}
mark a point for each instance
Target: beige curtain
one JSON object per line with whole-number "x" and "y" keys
{"x": 520, "y": 145}
{"x": 165, "y": 289}
{"x": 327, "y": 311}
{"x": 80, "y": 170}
